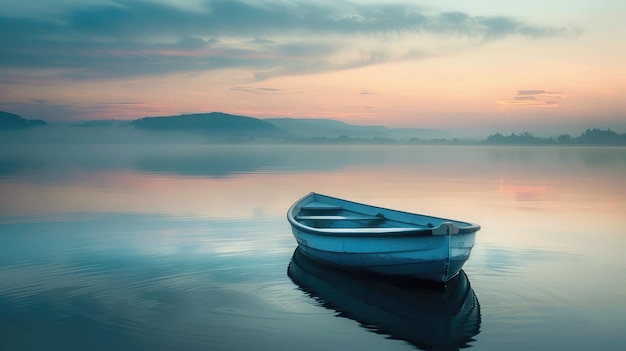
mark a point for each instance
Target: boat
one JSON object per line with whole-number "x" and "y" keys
{"x": 422, "y": 314}
{"x": 379, "y": 240}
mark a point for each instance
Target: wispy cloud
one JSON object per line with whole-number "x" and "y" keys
{"x": 123, "y": 38}
{"x": 535, "y": 92}
{"x": 42, "y": 109}
{"x": 254, "y": 90}
{"x": 534, "y": 98}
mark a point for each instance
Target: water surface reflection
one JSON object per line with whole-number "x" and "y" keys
{"x": 185, "y": 247}
{"x": 426, "y": 316}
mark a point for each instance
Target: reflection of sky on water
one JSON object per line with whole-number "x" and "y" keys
{"x": 225, "y": 160}
{"x": 109, "y": 241}
{"x": 144, "y": 281}
{"x": 550, "y": 292}
{"x": 220, "y": 181}
{"x": 144, "y": 234}
{"x": 498, "y": 260}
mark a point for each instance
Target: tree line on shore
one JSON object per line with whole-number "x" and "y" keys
{"x": 589, "y": 137}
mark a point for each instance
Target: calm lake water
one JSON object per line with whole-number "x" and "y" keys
{"x": 169, "y": 247}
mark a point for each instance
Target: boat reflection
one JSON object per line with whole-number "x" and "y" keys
{"x": 426, "y": 316}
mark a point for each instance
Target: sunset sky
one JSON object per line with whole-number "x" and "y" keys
{"x": 548, "y": 67}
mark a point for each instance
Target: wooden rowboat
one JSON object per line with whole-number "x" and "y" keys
{"x": 367, "y": 238}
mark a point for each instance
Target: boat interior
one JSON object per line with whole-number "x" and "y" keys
{"x": 324, "y": 215}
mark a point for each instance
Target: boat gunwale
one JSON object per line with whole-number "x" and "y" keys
{"x": 383, "y": 232}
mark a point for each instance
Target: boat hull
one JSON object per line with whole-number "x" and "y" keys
{"x": 429, "y": 252}
{"x": 427, "y": 258}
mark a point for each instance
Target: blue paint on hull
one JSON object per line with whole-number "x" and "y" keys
{"x": 393, "y": 243}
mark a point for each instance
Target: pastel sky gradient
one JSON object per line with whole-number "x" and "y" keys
{"x": 466, "y": 66}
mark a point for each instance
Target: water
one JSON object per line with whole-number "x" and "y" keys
{"x": 161, "y": 247}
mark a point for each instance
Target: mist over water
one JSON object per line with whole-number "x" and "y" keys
{"x": 187, "y": 247}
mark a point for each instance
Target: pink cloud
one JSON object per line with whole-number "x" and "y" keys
{"x": 534, "y": 98}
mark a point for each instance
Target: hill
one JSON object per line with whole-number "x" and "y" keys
{"x": 223, "y": 126}
{"x": 10, "y": 121}
{"x": 328, "y": 128}
{"x": 99, "y": 123}
{"x": 217, "y": 127}
{"x": 214, "y": 122}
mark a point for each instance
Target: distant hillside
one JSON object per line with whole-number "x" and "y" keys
{"x": 10, "y": 121}
{"x": 215, "y": 123}
{"x": 328, "y": 128}
{"x": 99, "y": 123}
{"x": 217, "y": 127}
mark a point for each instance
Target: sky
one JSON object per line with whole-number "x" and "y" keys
{"x": 473, "y": 67}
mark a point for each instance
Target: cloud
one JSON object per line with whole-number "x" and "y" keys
{"x": 262, "y": 41}
{"x": 535, "y": 92}
{"x": 40, "y": 109}
{"x": 125, "y": 38}
{"x": 253, "y": 90}
{"x": 534, "y": 98}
